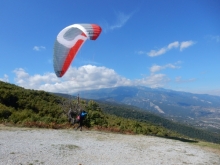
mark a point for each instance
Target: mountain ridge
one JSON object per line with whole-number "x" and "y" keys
{"x": 200, "y": 110}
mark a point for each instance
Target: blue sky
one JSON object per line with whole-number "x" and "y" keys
{"x": 173, "y": 44}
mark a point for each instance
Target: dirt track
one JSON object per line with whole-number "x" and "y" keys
{"x": 55, "y": 147}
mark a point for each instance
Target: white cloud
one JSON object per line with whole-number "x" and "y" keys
{"x": 173, "y": 45}
{"x": 210, "y": 91}
{"x": 121, "y": 20}
{"x": 202, "y": 90}
{"x": 33, "y": 82}
{"x": 163, "y": 50}
{"x": 83, "y": 78}
{"x": 140, "y": 52}
{"x": 5, "y": 78}
{"x": 153, "y": 81}
{"x": 39, "y": 48}
{"x": 156, "y": 68}
{"x": 176, "y": 44}
{"x": 180, "y": 80}
{"x": 94, "y": 77}
{"x": 215, "y": 38}
{"x": 186, "y": 44}
{"x": 154, "y": 53}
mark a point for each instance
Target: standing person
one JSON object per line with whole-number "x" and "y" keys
{"x": 82, "y": 116}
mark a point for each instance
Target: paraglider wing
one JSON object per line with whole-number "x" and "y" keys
{"x": 68, "y": 43}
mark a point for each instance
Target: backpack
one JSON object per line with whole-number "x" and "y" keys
{"x": 83, "y": 115}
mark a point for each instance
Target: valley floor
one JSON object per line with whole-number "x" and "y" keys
{"x": 54, "y": 147}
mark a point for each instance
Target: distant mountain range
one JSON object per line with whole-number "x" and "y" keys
{"x": 200, "y": 110}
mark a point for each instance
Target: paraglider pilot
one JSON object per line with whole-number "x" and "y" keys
{"x": 81, "y": 118}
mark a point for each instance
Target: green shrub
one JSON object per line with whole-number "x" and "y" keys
{"x": 20, "y": 116}
{"x": 5, "y": 113}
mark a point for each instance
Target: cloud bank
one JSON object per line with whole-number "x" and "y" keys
{"x": 95, "y": 77}
{"x": 83, "y": 78}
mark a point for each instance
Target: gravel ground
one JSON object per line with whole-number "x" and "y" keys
{"x": 26, "y": 146}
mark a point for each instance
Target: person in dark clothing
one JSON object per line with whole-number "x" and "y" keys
{"x": 81, "y": 118}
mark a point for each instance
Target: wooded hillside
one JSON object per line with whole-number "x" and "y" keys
{"x": 33, "y": 108}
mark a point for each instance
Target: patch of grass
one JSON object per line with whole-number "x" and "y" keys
{"x": 213, "y": 147}
{"x": 209, "y": 145}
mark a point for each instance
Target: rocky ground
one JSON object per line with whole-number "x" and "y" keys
{"x": 27, "y": 146}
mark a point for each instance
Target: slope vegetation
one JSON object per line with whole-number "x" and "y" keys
{"x": 33, "y": 108}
